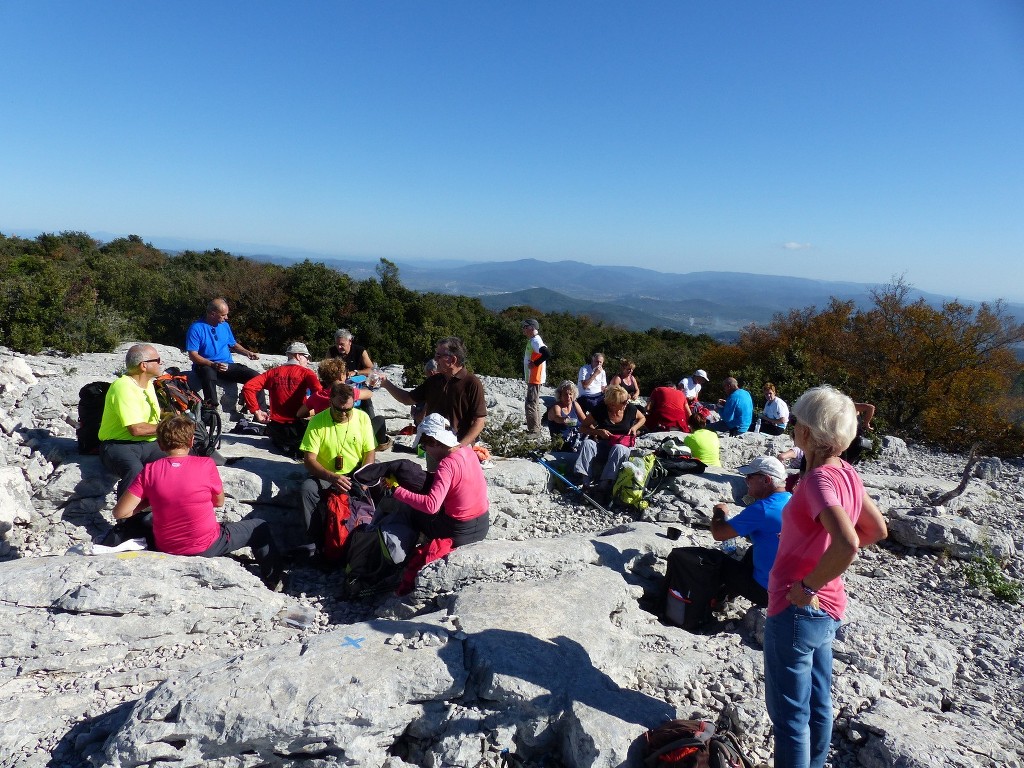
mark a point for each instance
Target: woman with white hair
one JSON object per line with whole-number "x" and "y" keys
{"x": 829, "y": 517}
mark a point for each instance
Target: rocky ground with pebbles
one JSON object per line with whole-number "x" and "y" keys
{"x": 536, "y": 646}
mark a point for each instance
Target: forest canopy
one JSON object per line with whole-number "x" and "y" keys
{"x": 946, "y": 375}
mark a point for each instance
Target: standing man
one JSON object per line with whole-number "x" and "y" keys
{"x": 287, "y": 386}
{"x": 337, "y": 442}
{"x": 209, "y": 344}
{"x": 691, "y": 385}
{"x": 592, "y": 382}
{"x": 453, "y": 392}
{"x": 760, "y": 522}
{"x": 130, "y": 415}
{"x": 737, "y": 410}
{"x": 357, "y": 359}
{"x": 535, "y": 367}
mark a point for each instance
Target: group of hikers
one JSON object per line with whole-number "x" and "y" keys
{"x": 802, "y": 541}
{"x": 805, "y": 528}
{"x": 323, "y": 417}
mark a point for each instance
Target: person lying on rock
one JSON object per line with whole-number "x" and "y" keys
{"x": 455, "y": 508}
{"x": 181, "y": 492}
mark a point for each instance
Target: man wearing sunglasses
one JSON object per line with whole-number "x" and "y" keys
{"x": 454, "y": 392}
{"x": 130, "y": 415}
{"x": 337, "y": 442}
{"x": 761, "y": 522}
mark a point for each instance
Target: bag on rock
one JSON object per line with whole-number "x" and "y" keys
{"x": 692, "y": 586}
{"x": 693, "y": 744}
{"x": 175, "y": 396}
{"x": 91, "y": 398}
{"x": 638, "y": 480}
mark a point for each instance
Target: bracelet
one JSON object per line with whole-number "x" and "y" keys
{"x": 807, "y": 590}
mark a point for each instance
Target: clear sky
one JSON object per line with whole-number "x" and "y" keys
{"x": 832, "y": 140}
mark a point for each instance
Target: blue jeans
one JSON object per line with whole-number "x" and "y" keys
{"x": 798, "y": 684}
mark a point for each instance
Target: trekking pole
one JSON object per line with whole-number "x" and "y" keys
{"x": 539, "y": 458}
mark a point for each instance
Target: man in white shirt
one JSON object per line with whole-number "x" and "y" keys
{"x": 592, "y": 381}
{"x": 690, "y": 385}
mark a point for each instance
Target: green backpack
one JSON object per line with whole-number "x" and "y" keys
{"x": 638, "y": 480}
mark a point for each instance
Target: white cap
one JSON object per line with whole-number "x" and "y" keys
{"x": 436, "y": 426}
{"x": 701, "y": 374}
{"x": 765, "y": 465}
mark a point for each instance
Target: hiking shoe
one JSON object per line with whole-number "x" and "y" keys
{"x": 387, "y": 445}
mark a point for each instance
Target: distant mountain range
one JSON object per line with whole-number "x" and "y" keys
{"x": 716, "y": 303}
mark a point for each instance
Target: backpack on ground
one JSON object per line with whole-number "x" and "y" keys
{"x": 370, "y": 568}
{"x": 175, "y": 396}
{"x": 693, "y": 586}
{"x": 693, "y": 744}
{"x": 91, "y": 398}
{"x": 342, "y": 515}
{"x": 638, "y": 480}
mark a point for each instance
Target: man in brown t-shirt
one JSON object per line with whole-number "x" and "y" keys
{"x": 455, "y": 393}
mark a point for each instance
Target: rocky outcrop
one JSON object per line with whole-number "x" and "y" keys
{"x": 539, "y": 641}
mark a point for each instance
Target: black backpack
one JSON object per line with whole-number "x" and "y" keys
{"x": 91, "y": 398}
{"x": 369, "y": 567}
{"x": 693, "y": 744}
{"x": 693, "y": 586}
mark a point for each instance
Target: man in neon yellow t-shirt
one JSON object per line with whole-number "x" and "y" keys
{"x": 130, "y": 415}
{"x": 337, "y": 442}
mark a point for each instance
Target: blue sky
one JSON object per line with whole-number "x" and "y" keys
{"x": 847, "y": 141}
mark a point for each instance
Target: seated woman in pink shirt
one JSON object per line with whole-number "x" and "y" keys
{"x": 456, "y": 505}
{"x": 183, "y": 491}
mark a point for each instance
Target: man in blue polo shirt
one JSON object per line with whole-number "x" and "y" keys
{"x": 209, "y": 344}
{"x": 737, "y": 410}
{"x": 761, "y": 522}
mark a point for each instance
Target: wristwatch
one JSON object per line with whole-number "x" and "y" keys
{"x": 807, "y": 590}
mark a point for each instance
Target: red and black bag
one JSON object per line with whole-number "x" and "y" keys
{"x": 693, "y": 744}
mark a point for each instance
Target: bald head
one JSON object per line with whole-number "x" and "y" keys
{"x": 216, "y": 311}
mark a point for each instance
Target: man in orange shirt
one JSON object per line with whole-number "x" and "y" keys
{"x": 535, "y": 358}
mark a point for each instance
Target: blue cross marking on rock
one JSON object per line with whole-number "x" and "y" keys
{"x": 354, "y": 641}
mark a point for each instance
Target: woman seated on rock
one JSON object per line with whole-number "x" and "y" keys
{"x": 454, "y": 512}
{"x": 182, "y": 491}
{"x": 625, "y": 379}
{"x": 609, "y": 433}
{"x": 702, "y": 442}
{"x": 775, "y": 415}
{"x": 565, "y": 416}
{"x": 329, "y": 372}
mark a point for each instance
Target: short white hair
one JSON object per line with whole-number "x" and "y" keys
{"x": 829, "y": 415}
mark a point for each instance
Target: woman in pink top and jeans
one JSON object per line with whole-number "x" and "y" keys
{"x": 829, "y": 517}
{"x": 456, "y": 505}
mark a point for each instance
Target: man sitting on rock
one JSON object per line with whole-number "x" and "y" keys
{"x": 209, "y": 344}
{"x": 287, "y": 386}
{"x": 337, "y": 442}
{"x": 761, "y": 522}
{"x": 667, "y": 410}
{"x": 130, "y": 415}
{"x": 737, "y": 410}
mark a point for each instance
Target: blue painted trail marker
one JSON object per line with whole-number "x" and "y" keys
{"x": 354, "y": 641}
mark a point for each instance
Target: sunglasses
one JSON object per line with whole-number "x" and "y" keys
{"x": 154, "y": 360}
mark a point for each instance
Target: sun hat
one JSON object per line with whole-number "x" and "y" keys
{"x": 531, "y": 323}
{"x": 436, "y": 426}
{"x": 765, "y": 465}
{"x": 701, "y": 374}
{"x": 297, "y": 348}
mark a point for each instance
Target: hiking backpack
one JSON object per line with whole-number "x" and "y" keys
{"x": 91, "y": 398}
{"x": 370, "y": 568}
{"x": 342, "y": 515}
{"x": 693, "y": 744}
{"x": 692, "y": 586}
{"x": 175, "y": 396}
{"x": 639, "y": 478}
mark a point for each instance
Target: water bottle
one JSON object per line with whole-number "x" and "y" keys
{"x": 729, "y": 546}
{"x": 757, "y": 424}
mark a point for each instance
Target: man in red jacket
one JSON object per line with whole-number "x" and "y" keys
{"x": 287, "y": 386}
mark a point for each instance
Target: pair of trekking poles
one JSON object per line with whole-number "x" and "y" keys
{"x": 538, "y": 456}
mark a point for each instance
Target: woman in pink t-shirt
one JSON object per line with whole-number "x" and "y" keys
{"x": 828, "y": 518}
{"x": 182, "y": 491}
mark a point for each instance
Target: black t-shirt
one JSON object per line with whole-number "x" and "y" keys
{"x": 354, "y": 358}
{"x": 600, "y": 414}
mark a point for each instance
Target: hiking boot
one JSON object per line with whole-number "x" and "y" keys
{"x": 387, "y": 445}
